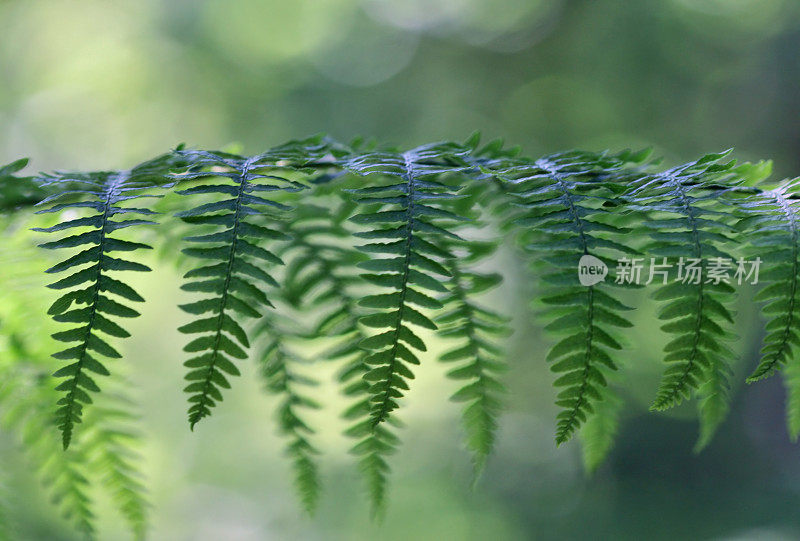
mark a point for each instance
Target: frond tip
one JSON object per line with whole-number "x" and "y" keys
{"x": 694, "y": 308}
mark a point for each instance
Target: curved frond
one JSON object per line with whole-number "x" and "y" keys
{"x": 600, "y": 430}
{"x": 23, "y": 393}
{"x": 774, "y": 218}
{"x": 283, "y": 381}
{"x": 564, "y": 219}
{"x": 233, "y": 258}
{"x": 407, "y": 223}
{"x": 277, "y": 230}
{"x": 792, "y": 384}
{"x": 111, "y": 446}
{"x": 104, "y": 452}
{"x": 693, "y": 226}
{"x": 315, "y": 284}
{"x": 321, "y": 283}
{"x": 479, "y": 359}
{"x": 106, "y": 197}
{"x": 714, "y": 400}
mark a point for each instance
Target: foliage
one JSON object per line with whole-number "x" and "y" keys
{"x": 364, "y": 256}
{"x": 105, "y": 452}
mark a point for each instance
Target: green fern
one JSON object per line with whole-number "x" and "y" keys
{"x": 320, "y": 283}
{"x": 692, "y": 219}
{"x": 565, "y": 217}
{"x": 315, "y": 286}
{"x": 415, "y": 271}
{"x": 776, "y": 222}
{"x": 792, "y": 384}
{"x": 104, "y": 453}
{"x": 106, "y": 196}
{"x": 237, "y": 261}
{"x": 287, "y": 383}
{"x": 478, "y": 356}
{"x": 774, "y": 218}
{"x": 600, "y": 430}
{"x": 17, "y": 192}
{"x": 408, "y": 215}
{"x": 111, "y": 445}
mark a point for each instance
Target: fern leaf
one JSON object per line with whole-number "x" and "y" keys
{"x": 105, "y": 450}
{"x": 233, "y": 260}
{"x": 600, "y": 430}
{"x": 774, "y": 218}
{"x": 111, "y": 447}
{"x": 286, "y": 383}
{"x": 106, "y": 196}
{"x": 714, "y": 398}
{"x": 408, "y": 215}
{"x": 478, "y": 357}
{"x": 694, "y": 308}
{"x": 15, "y": 191}
{"x": 24, "y": 393}
{"x": 564, "y": 218}
{"x": 321, "y": 285}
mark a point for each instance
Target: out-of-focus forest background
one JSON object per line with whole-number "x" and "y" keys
{"x": 104, "y": 84}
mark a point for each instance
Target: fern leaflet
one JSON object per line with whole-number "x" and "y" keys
{"x": 600, "y": 430}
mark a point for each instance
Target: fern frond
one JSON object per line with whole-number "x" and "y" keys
{"x": 600, "y": 430}
{"x": 714, "y": 400}
{"x": 105, "y": 450}
{"x": 774, "y": 218}
{"x": 24, "y": 393}
{"x": 321, "y": 284}
{"x": 110, "y": 444}
{"x": 408, "y": 216}
{"x": 235, "y": 277}
{"x": 693, "y": 227}
{"x": 276, "y": 361}
{"x": 106, "y": 196}
{"x": 373, "y": 303}
{"x": 479, "y": 358}
{"x": 564, "y": 216}
{"x": 316, "y": 285}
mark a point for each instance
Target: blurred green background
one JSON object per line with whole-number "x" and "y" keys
{"x": 104, "y": 84}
